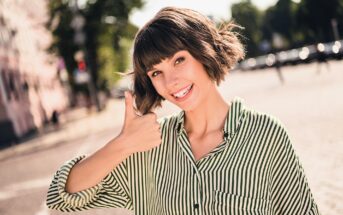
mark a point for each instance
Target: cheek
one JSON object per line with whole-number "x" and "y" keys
{"x": 158, "y": 85}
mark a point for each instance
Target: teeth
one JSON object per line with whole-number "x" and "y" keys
{"x": 182, "y": 93}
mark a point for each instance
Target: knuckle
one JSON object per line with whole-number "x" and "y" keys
{"x": 156, "y": 126}
{"x": 158, "y": 132}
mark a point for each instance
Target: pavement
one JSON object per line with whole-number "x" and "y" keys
{"x": 75, "y": 124}
{"x": 308, "y": 103}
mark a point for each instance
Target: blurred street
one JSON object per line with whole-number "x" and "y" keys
{"x": 307, "y": 103}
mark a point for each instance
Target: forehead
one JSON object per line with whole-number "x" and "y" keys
{"x": 168, "y": 59}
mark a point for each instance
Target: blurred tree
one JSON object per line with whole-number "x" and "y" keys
{"x": 314, "y": 18}
{"x": 288, "y": 24}
{"x": 248, "y": 16}
{"x": 280, "y": 20}
{"x": 59, "y": 23}
{"x": 107, "y": 33}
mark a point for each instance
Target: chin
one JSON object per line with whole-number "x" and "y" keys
{"x": 189, "y": 107}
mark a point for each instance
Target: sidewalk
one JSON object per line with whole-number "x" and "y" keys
{"x": 76, "y": 124}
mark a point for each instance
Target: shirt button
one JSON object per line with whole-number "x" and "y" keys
{"x": 226, "y": 134}
{"x": 196, "y": 206}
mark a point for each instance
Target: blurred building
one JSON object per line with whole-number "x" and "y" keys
{"x": 30, "y": 79}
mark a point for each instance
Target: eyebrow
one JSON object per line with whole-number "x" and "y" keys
{"x": 150, "y": 69}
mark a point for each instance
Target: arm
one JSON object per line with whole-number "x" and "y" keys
{"x": 101, "y": 179}
{"x": 290, "y": 192}
{"x": 87, "y": 173}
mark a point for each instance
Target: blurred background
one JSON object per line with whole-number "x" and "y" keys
{"x": 61, "y": 84}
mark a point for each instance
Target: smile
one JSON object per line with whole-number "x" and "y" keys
{"x": 182, "y": 93}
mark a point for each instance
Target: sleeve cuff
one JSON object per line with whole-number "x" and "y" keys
{"x": 314, "y": 210}
{"x": 78, "y": 199}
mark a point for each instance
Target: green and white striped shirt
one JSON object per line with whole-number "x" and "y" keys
{"x": 253, "y": 171}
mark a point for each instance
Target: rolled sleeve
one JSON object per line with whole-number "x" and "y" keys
{"x": 107, "y": 193}
{"x": 80, "y": 198}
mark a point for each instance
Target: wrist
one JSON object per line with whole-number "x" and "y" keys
{"x": 119, "y": 145}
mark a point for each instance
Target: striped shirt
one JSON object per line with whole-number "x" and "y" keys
{"x": 253, "y": 171}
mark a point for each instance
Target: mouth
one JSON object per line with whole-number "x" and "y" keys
{"x": 181, "y": 94}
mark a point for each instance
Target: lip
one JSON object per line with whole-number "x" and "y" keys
{"x": 180, "y": 89}
{"x": 186, "y": 96}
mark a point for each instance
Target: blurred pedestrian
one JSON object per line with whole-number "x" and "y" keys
{"x": 278, "y": 69}
{"x": 214, "y": 157}
{"x": 321, "y": 57}
{"x": 55, "y": 119}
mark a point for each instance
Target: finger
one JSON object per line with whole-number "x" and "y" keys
{"x": 130, "y": 112}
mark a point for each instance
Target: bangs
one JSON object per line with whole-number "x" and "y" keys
{"x": 156, "y": 43}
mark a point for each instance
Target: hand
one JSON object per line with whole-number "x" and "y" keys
{"x": 139, "y": 133}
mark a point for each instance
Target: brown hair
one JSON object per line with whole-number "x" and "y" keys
{"x": 175, "y": 29}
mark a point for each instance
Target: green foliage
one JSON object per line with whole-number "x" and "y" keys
{"x": 59, "y": 24}
{"x": 315, "y": 16}
{"x": 107, "y": 31}
{"x": 109, "y": 34}
{"x": 113, "y": 60}
{"x": 280, "y": 19}
{"x": 296, "y": 24}
{"x": 248, "y": 16}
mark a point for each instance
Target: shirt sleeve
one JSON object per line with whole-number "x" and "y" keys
{"x": 290, "y": 192}
{"x": 112, "y": 191}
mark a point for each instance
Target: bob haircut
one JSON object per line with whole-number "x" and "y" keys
{"x": 175, "y": 29}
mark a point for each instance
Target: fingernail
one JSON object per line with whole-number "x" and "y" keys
{"x": 125, "y": 94}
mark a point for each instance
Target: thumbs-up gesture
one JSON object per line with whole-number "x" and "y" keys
{"x": 140, "y": 133}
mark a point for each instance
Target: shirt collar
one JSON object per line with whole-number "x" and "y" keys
{"x": 232, "y": 122}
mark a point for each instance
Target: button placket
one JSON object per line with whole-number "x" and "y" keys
{"x": 197, "y": 191}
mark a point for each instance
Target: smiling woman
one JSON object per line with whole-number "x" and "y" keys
{"x": 214, "y": 157}
{"x": 160, "y": 39}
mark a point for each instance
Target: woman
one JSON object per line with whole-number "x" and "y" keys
{"x": 213, "y": 157}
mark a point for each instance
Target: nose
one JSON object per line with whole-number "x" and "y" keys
{"x": 171, "y": 80}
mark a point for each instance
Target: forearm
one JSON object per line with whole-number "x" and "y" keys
{"x": 90, "y": 171}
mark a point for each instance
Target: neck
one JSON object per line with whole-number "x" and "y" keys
{"x": 208, "y": 117}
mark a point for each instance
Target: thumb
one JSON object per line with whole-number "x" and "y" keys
{"x": 130, "y": 112}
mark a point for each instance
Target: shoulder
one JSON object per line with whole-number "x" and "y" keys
{"x": 269, "y": 131}
{"x": 243, "y": 115}
{"x": 265, "y": 127}
{"x": 262, "y": 119}
{"x": 257, "y": 116}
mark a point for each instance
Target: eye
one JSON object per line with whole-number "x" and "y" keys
{"x": 179, "y": 60}
{"x": 155, "y": 73}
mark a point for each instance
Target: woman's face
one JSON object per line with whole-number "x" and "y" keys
{"x": 182, "y": 80}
